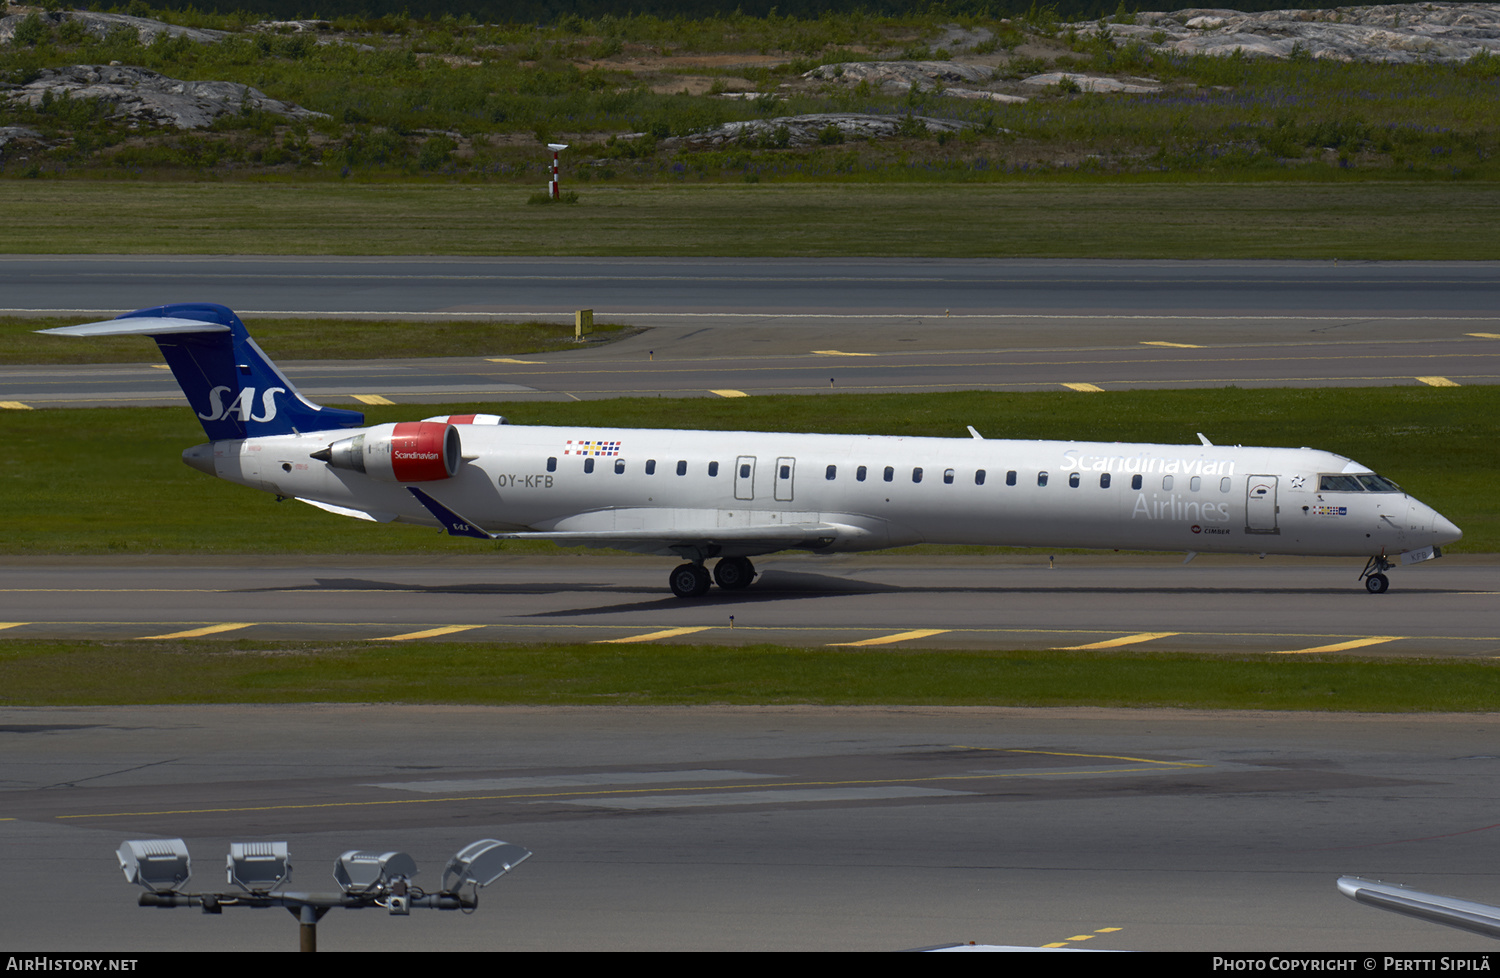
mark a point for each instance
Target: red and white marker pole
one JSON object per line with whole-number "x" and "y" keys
{"x": 552, "y": 188}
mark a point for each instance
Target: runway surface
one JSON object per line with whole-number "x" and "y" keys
{"x": 762, "y": 829}
{"x": 1229, "y": 604}
{"x": 661, "y": 291}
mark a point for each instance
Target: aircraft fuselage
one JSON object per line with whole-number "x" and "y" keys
{"x": 890, "y": 491}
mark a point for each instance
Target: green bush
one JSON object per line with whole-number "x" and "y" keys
{"x": 33, "y": 30}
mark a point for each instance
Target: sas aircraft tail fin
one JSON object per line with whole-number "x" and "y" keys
{"x": 233, "y": 387}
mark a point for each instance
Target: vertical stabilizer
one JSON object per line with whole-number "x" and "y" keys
{"x": 233, "y": 387}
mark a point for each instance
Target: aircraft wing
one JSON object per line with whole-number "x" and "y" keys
{"x": 1477, "y": 917}
{"x": 374, "y": 516}
{"x": 764, "y": 538}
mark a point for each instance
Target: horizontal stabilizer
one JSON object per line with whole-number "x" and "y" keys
{"x": 139, "y": 326}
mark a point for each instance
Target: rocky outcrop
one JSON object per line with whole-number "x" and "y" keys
{"x": 99, "y": 25}
{"x": 11, "y": 133}
{"x": 1401, "y": 33}
{"x": 1094, "y": 83}
{"x": 809, "y": 130}
{"x": 148, "y": 96}
{"x": 291, "y": 26}
{"x": 902, "y": 76}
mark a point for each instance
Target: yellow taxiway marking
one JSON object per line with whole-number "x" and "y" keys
{"x": 1180, "y": 346}
{"x": 841, "y": 353}
{"x": 428, "y": 633}
{"x": 653, "y": 636}
{"x": 15, "y": 406}
{"x": 898, "y": 637}
{"x": 1485, "y": 336}
{"x": 159, "y": 366}
{"x": 13, "y": 624}
{"x": 1086, "y": 388}
{"x": 1437, "y": 381}
{"x": 1084, "y": 937}
{"x": 729, "y": 393}
{"x": 1358, "y": 643}
{"x": 372, "y": 399}
{"x": 200, "y": 632}
{"x": 511, "y": 360}
{"x": 1115, "y": 643}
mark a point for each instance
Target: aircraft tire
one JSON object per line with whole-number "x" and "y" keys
{"x": 733, "y": 573}
{"x": 689, "y": 580}
{"x": 1377, "y": 583}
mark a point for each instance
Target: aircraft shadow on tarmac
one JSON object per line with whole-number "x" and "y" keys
{"x": 775, "y": 585}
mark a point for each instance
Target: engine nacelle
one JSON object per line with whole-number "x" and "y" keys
{"x": 413, "y": 451}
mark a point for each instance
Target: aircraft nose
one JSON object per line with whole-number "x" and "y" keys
{"x": 1443, "y": 530}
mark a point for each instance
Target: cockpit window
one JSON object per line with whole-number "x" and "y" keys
{"x": 1356, "y": 483}
{"x": 1339, "y": 483}
{"x": 1375, "y": 483}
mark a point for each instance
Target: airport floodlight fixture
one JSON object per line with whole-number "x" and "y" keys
{"x": 258, "y": 867}
{"x": 358, "y": 871}
{"x": 557, "y": 147}
{"x": 366, "y": 879}
{"x": 481, "y": 863}
{"x": 160, "y": 865}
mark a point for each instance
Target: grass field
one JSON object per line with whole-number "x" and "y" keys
{"x": 110, "y": 480}
{"x": 87, "y": 673}
{"x": 1133, "y": 218}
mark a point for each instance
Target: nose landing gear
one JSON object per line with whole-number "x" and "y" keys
{"x": 1373, "y": 575}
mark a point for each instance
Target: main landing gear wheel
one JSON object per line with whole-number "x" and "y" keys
{"x": 733, "y": 573}
{"x": 1377, "y": 583}
{"x": 689, "y": 581}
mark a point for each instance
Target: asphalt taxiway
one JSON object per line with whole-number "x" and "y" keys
{"x": 1218, "y": 603}
{"x": 770, "y": 828}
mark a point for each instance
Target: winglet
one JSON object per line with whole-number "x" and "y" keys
{"x": 456, "y": 525}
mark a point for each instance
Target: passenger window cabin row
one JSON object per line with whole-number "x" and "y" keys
{"x": 888, "y": 474}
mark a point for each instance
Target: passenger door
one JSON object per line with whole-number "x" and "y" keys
{"x": 1260, "y": 504}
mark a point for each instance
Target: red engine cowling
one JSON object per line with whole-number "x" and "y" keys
{"x": 414, "y": 451}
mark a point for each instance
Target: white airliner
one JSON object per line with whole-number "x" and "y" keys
{"x": 732, "y": 495}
